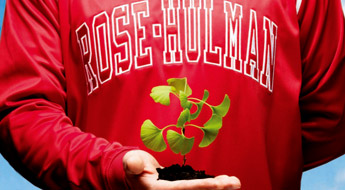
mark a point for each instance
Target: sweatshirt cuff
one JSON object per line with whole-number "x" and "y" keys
{"x": 115, "y": 174}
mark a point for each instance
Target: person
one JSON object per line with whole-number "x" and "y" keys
{"x": 75, "y": 80}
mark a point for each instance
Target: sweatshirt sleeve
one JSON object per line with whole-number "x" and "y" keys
{"x": 322, "y": 99}
{"x": 36, "y": 135}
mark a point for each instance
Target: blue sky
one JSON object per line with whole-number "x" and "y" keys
{"x": 2, "y": 4}
{"x": 330, "y": 176}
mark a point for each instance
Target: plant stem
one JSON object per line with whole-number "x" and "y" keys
{"x": 172, "y": 125}
{"x": 192, "y": 125}
{"x": 183, "y": 133}
{"x": 197, "y": 99}
{"x": 185, "y": 86}
{"x": 176, "y": 95}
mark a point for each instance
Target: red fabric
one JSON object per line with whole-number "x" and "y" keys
{"x": 35, "y": 130}
{"x": 71, "y": 104}
{"x": 322, "y": 95}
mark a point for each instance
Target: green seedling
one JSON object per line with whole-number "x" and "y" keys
{"x": 152, "y": 136}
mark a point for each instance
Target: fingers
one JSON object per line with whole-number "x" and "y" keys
{"x": 219, "y": 183}
{"x": 228, "y": 182}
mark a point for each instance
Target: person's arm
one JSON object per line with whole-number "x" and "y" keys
{"x": 36, "y": 135}
{"x": 322, "y": 99}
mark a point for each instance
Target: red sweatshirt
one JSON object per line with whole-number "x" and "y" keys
{"x": 75, "y": 79}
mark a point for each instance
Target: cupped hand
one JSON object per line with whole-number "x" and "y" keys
{"x": 140, "y": 168}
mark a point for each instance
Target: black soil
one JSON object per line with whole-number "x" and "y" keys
{"x": 177, "y": 172}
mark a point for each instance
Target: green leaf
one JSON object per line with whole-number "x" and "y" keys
{"x": 179, "y": 143}
{"x": 152, "y": 136}
{"x": 184, "y": 117}
{"x": 180, "y": 84}
{"x": 211, "y": 129}
{"x": 223, "y": 108}
{"x": 199, "y": 105}
{"x": 161, "y": 94}
{"x": 185, "y": 103}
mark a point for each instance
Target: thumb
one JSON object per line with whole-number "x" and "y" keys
{"x": 133, "y": 164}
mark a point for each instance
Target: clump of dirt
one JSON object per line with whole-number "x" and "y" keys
{"x": 177, "y": 172}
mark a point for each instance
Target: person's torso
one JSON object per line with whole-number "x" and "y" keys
{"x": 116, "y": 51}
